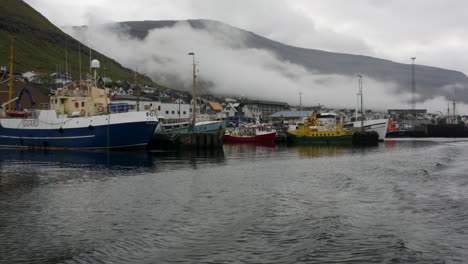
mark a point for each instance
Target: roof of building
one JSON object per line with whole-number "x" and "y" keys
{"x": 290, "y": 114}
{"x": 216, "y": 106}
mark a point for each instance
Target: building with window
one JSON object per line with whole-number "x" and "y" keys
{"x": 262, "y": 108}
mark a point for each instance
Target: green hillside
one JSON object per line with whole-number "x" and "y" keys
{"x": 40, "y": 46}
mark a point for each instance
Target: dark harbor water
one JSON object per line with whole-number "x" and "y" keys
{"x": 400, "y": 202}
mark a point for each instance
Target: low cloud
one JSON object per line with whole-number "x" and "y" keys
{"x": 232, "y": 69}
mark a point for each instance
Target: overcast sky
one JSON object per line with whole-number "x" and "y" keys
{"x": 433, "y": 31}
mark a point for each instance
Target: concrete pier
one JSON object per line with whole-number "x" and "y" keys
{"x": 201, "y": 140}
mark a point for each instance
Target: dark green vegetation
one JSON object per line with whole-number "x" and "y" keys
{"x": 41, "y": 46}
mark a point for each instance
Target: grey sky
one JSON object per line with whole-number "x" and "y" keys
{"x": 433, "y": 31}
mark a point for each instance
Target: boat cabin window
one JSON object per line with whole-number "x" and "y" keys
{"x": 185, "y": 112}
{"x": 159, "y": 108}
{"x": 167, "y": 112}
{"x": 173, "y": 112}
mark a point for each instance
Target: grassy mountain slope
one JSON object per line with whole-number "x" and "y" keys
{"x": 41, "y": 46}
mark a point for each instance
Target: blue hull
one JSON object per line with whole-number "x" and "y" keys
{"x": 125, "y": 135}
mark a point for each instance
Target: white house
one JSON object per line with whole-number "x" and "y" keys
{"x": 231, "y": 109}
{"x": 32, "y": 76}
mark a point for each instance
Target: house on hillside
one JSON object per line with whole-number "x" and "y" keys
{"x": 230, "y": 109}
{"x": 214, "y": 108}
{"x": 34, "y": 76}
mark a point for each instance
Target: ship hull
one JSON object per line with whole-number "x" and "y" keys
{"x": 112, "y": 131}
{"x": 164, "y": 136}
{"x": 258, "y": 138}
{"x": 379, "y": 125}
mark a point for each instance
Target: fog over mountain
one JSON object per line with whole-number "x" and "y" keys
{"x": 232, "y": 61}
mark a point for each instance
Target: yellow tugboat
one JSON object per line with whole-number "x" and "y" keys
{"x": 324, "y": 128}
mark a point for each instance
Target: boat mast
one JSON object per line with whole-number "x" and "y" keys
{"x": 362, "y": 113}
{"x": 300, "y": 103}
{"x": 12, "y": 81}
{"x": 454, "y": 115}
{"x": 194, "y": 91}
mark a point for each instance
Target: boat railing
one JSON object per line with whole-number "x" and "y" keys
{"x": 75, "y": 89}
{"x": 174, "y": 120}
{"x": 208, "y": 117}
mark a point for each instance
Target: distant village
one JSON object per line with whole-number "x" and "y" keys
{"x": 175, "y": 104}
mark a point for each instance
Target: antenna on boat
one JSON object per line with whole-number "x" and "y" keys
{"x": 95, "y": 64}
{"x": 194, "y": 90}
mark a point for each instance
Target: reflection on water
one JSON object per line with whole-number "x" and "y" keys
{"x": 87, "y": 159}
{"x": 320, "y": 150}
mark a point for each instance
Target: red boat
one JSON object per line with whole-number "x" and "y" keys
{"x": 251, "y": 134}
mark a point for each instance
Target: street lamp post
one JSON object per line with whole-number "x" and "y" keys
{"x": 193, "y": 90}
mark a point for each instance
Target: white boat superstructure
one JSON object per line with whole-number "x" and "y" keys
{"x": 377, "y": 125}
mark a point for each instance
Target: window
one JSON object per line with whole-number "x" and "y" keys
{"x": 178, "y": 112}
{"x": 190, "y": 110}
{"x": 147, "y": 107}
{"x": 185, "y": 112}
{"x": 82, "y": 104}
{"x": 173, "y": 112}
{"x": 77, "y": 105}
{"x": 159, "y": 108}
{"x": 167, "y": 112}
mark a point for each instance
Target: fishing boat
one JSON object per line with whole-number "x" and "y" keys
{"x": 377, "y": 125}
{"x": 198, "y": 131}
{"x": 258, "y": 133}
{"x": 323, "y": 128}
{"x": 169, "y": 130}
{"x": 78, "y": 118}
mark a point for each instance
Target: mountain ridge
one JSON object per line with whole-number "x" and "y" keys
{"x": 429, "y": 79}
